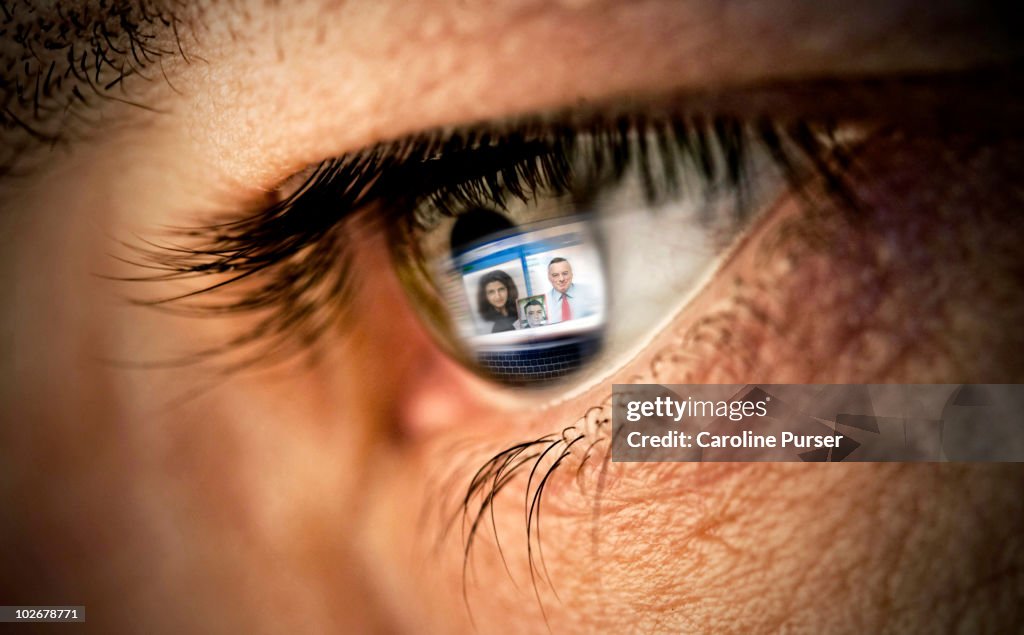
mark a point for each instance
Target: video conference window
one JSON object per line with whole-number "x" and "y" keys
{"x": 533, "y": 298}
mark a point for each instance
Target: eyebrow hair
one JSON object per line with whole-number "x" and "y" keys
{"x": 58, "y": 62}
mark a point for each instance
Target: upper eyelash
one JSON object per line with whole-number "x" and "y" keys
{"x": 712, "y": 148}
{"x": 300, "y": 244}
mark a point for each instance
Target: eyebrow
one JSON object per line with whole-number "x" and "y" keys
{"x": 59, "y": 62}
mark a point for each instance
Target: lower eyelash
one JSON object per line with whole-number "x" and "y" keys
{"x": 541, "y": 457}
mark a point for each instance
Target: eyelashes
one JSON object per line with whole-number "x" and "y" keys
{"x": 539, "y": 459}
{"x": 289, "y": 264}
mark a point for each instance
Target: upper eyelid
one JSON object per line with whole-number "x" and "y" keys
{"x": 904, "y": 99}
{"x": 974, "y": 100}
{"x": 901, "y": 98}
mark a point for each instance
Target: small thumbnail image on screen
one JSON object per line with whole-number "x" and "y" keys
{"x": 533, "y": 312}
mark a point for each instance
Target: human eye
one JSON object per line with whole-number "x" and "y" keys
{"x": 543, "y": 212}
{"x": 514, "y": 198}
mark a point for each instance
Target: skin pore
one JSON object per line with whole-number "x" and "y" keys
{"x": 318, "y": 494}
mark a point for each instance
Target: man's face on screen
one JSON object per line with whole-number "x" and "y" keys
{"x": 497, "y": 294}
{"x": 560, "y": 275}
{"x": 535, "y": 315}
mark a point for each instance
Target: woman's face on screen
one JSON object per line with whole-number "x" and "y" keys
{"x": 497, "y": 294}
{"x": 229, "y": 406}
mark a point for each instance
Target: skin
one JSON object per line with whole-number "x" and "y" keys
{"x": 560, "y": 275}
{"x": 315, "y": 495}
{"x": 497, "y": 295}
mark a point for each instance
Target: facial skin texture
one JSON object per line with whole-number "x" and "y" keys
{"x": 560, "y": 275}
{"x": 317, "y": 495}
{"x": 497, "y": 295}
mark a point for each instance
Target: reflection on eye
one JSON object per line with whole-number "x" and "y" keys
{"x": 528, "y": 304}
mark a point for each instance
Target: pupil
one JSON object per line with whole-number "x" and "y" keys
{"x": 477, "y": 225}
